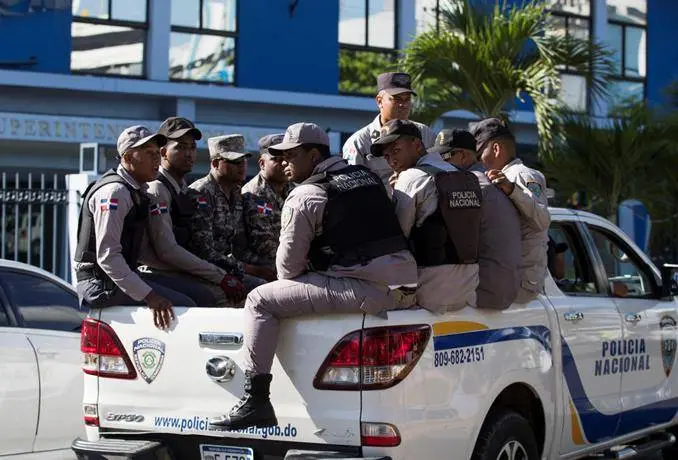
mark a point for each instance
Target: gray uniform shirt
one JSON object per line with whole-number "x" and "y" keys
{"x": 301, "y": 222}
{"x": 445, "y": 287}
{"x": 109, "y": 206}
{"x": 356, "y": 149}
{"x": 500, "y": 252}
{"x": 167, "y": 254}
{"x": 529, "y": 197}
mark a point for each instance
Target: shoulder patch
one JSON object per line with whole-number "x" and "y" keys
{"x": 535, "y": 188}
{"x": 286, "y": 217}
{"x": 200, "y": 201}
{"x": 108, "y": 204}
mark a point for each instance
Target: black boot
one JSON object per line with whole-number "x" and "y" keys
{"x": 254, "y": 409}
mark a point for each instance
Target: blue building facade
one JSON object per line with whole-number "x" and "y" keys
{"x": 74, "y": 71}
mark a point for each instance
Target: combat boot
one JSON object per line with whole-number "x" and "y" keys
{"x": 254, "y": 409}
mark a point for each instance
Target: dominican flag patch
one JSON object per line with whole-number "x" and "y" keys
{"x": 264, "y": 209}
{"x": 159, "y": 208}
{"x": 108, "y": 204}
{"x": 201, "y": 202}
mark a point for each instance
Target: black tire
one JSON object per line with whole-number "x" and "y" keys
{"x": 504, "y": 428}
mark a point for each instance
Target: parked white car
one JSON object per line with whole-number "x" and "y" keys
{"x": 40, "y": 361}
{"x": 587, "y": 368}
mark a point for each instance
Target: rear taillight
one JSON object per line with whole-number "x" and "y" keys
{"x": 379, "y": 435}
{"x": 372, "y": 359}
{"x": 103, "y": 353}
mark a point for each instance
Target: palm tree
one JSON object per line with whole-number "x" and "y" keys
{"x": 481, "y": 59}
{"x": 631, "y": 156}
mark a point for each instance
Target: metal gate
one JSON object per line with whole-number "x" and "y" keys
{"x": 33, "y": 213}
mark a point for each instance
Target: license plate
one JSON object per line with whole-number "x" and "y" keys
{"x": 215, "y": 452}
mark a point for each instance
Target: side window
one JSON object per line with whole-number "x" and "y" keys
{"x": 42, "y": 303}
{"x": 568, "y": 261}
{"x": 626, "y": 277}
{"x": 4, "y": 320}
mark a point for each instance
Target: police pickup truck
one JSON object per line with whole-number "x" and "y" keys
{"x": 586, "y": 369}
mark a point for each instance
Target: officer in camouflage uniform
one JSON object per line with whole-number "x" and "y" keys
{"x": 218, "y": 219}
{"x": 263, "y": 198}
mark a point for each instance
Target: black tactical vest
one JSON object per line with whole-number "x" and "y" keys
{"x": 451, "y": 235}
{"x": 132, "y": 231}
{"x": 181, "y": 210}
{"x": 359, "y": 223}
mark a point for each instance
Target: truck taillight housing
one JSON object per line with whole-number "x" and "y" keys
{"x": 373, "y": 358}
{"x": 103, "y": 353}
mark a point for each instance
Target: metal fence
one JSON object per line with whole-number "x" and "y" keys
{"x": 33, "y": 219}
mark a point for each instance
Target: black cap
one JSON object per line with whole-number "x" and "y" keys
{"x": 175, "y": 127}
{"x": 451, "y": 139}
{"x": 268, "y": 141}
{"x": 490, "y": 129}
{"x": 554, "y": 248}
{"x": 395, "y": 83}
{"x": 391, "y": 132}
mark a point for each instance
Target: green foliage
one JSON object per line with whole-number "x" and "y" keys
{"x": 632, "y": 156}
{"x": 483, "y": 58}
{"x": 358, "y": 70}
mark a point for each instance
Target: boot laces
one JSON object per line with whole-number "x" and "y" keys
{"x": 241, "y": 403}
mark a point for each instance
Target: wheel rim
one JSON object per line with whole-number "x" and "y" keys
{"x": 512, "y": 450}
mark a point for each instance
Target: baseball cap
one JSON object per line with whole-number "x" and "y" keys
{"x": 269, "y": 140}
{"x": 136, "y": 136}
{"x": 175, "y": 127}
{"x": 395, "y": 83}
{"x": 229, "y": 147}
{"x": 451, "y": 139}
{"x": 488, "y": 130}
{"x": 391, "y": 132}
{"x": 299, "y": 134}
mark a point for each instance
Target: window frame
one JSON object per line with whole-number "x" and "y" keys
{"x": 366, "y": 46}
{"x": 641, "y": 265}
{"x": 567, "y": 69}
{"x": 6, "y": 306}
{"x": 14, "y": 314}
{"x": 117, "y": 23}
{"x": 200, "y": 30}
{"x": 622, "y": 77}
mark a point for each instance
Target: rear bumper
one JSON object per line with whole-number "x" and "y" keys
{"x": 187, "y": 447}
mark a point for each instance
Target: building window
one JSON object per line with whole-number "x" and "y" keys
{"x": 571, "y": 18}
{"x": 626, "y": 36}
{"x": 368, "y": 43}
{"x": 109, "y": 37}
{"x": 202, "y": 42}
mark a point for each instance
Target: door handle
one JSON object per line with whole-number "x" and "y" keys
{"x": 633, "y": 317}
{"x": 574, "y": 316}
{"x": 221, "y": 339}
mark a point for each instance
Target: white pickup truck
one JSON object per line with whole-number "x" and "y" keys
{"x": 585, "y": 369}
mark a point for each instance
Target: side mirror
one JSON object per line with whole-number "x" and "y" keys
{"x": 669, "y": 280}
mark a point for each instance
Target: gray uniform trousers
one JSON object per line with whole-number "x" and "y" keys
{"x": 308, "y": 293}
{"x": 116, "y": 297}
{"x": 201, "y": 295}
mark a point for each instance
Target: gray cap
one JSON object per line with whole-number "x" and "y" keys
{"x": 301, "y": 133}
{"x": 269, "y": 140}
{"x": 136, "y": 136}
{"x": 230, "y": 147}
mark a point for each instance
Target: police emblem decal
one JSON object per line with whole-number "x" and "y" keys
{"x": 535, "y": 188}
{"x": 149, "y": 354}
{"x": 667, "y": 327}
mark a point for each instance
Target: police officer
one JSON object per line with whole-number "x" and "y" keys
{"x": 217, "y": 221}
{"x": 341, "y": 250}
{"x": 394, "y": 99}
{"x": 526, "y": 187}
{"x": 499, "y": 254}
{"x": 111, "y": 228}
{"x": 263, "y": 198}
{"x": 169, "y": 233}
{"x": 443, "y": 231}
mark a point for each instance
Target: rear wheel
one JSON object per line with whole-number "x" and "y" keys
{"x": 506, "y": 435}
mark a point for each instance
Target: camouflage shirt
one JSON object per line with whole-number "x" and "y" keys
{"x": 216, "y": 224}
{"x": 261, "y": 212}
